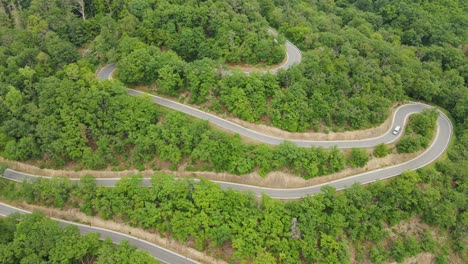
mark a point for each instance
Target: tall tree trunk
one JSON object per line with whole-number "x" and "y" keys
{"x": 81, "y": 8}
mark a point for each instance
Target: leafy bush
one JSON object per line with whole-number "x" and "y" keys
{"x": 358, "y": 158}
{"x": 409, "y": 144}
{"x": 381, "y": 150}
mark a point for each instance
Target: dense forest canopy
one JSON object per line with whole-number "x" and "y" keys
{"x": 232, "y": 31}
{"x": 384, "y": 48}
{"x": 359, "y": 58}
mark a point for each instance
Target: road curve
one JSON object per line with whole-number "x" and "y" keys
{"x": 293, "y": 57}
{"x": 399, "y": 119}
{"x": 293, "y": 54}
{"x": 435, "y": 150}
{"x": 161, "y": 254}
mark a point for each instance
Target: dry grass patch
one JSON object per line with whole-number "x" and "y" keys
{"x": 414, "y": 227}
{"x": 256, "y": 67}
{"x": 425, "y": 257}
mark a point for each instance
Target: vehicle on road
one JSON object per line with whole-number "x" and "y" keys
{"x": 396, "y": 130}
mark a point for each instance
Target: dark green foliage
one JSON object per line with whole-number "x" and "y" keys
{"x": 411, "y": 144}
{"x": 7, "y": 229}
{"x": 240, "y": 34}
{"x": 358, "y": 158}
{"x": 55, "y": 192}
{"x": 33, "y": 238}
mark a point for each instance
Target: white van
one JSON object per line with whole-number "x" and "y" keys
{"x": 396, "y": 130}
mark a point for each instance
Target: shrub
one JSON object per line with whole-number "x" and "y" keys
{"x": 409, "y": 144}
{"x": 381, "y": 150}
{"x": 358, "y": 158}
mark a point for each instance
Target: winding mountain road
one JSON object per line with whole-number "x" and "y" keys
{"x": 160, "y": 253}
{"x": 435, "y": 150}
{"x": 399, "y": 119}
{"x": 293, "y": 57}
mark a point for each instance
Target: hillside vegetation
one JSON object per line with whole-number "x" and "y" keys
{"x": 34, "y": 238}
{"x": 325, "y": 228}
{"x": 359, "y": 57}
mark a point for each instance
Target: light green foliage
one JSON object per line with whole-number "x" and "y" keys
{"x": 201, "y": 78}
{"x": 122, "y": 254}
{"x": 378, "y": 255}
{"x": 244, "y": 96}
{"x": 289, "y": 109}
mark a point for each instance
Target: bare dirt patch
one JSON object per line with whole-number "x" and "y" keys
{"x": 411, "y": 227}
{"x": 415, "y": 227}
{"x": 84, "y": 51}
{"x": 75, "y": 215}
{"x": 426, "y": 258}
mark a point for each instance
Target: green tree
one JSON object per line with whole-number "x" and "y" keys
{"x": 381, "y": 150}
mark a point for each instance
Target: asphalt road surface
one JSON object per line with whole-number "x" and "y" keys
{"x": 293, "y": 53}
{"x": 162, "y": 254}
